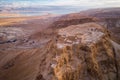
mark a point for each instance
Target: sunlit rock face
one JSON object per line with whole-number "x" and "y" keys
{"x": 84, "y": 52}
{"x": 82, "y": 33}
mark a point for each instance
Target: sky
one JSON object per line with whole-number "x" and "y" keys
{"x": 57, "y": 6}
{"x": 82, "y": 3}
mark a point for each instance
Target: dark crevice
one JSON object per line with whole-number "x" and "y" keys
{"x": 116, "y": 65}
{"x": 9, "y": 64}
{"x": 87, "y": 65}
{"x": 39, "y": 77}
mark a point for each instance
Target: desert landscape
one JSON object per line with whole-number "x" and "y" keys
{"x": 83, "y": 45}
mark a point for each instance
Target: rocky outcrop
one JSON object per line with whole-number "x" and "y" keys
{"x": 84, "y": 55}
{"x": 10, "y": 34}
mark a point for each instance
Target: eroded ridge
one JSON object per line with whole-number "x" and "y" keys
{"x": 84, "y": 52}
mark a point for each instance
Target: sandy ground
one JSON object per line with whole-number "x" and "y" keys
{"x": 2, "y": 15}
{"x": 9, "y": 19}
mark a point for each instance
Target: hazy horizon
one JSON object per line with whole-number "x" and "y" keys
{"x": 35, "y": 7}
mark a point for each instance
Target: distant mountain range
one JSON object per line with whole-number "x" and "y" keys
{"x": 42, "y": 9}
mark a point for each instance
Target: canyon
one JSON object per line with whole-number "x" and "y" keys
{"x": 76, "y": 46}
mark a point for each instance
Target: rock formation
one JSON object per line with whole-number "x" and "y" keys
{"x": 84, "y": 52}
